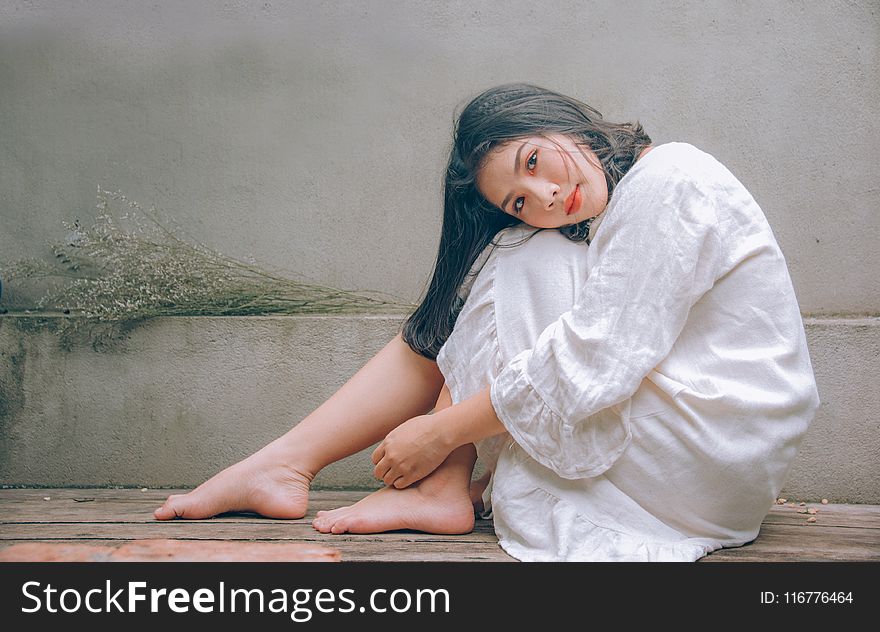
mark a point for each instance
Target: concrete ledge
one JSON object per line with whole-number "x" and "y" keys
{"x": 181, "y": 398}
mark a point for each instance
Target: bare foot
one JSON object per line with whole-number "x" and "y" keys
{"x": 262, "y": 483}
{"x": 435, "y": 504}
{"x": 476, "y": 490}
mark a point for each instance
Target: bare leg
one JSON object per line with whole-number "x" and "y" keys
{"x": 423, "y": 506}
{"x": 394, "y": 386}
{"x": 439, "y": 503}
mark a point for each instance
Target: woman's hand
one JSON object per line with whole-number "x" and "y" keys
{"x": 410, "y": 452}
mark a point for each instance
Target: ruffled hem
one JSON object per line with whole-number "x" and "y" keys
{"x": 566, "y": 535}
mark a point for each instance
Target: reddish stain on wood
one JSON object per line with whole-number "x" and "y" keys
{"x": 162, "y": 550}
{"x": 54, "y": 552}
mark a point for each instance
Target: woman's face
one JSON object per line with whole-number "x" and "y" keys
{"x": 547, "y": 182}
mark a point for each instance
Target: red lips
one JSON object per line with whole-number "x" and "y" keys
{"x": 573, "y": 201}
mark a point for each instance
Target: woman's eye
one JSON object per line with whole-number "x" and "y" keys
{"x": 531, "y": 163}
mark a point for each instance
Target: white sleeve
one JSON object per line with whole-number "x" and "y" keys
{"x": 566, "y": 401}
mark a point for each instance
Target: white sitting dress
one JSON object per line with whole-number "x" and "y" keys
{"x": 655, "y": 384}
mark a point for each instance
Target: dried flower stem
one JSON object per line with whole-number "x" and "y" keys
{"x": 118, "y": 275}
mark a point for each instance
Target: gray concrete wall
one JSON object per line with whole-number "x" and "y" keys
{"x": 181, "y": 398}
{"x": 176, "y": 401}
{"x": 312, "y": 135}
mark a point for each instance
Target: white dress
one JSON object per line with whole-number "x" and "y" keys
{"x": 655, "y": 384}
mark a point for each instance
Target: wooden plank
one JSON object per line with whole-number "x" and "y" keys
{"x": 10, "y": 498}
{"x": 354, "y": 551}
{"x": 758, "y": 554}
{"x": 128, "y": 505}
{"x": 161, "y": 550}
{"x": 114, "y": 505}
{"x": 378, "y": 551}
{"x": 805, "y": 534}
{"x": 798, "y": 535}
{"x": 132, "y": 506}
{"x": 282, "y": 530}
{"x": 775, "y": 541}
{"x": 806, "y": 543}
{"x": 864, "y": 516}
{"x": 422, "y": 552}
{"x": 135, "y": 495}
{"x": 847, "y": 509}
{"x": 16, "y": 495}
{"x": 135, "y": 506}
{"x": 111, "y": 511}
{"x": 842, "y": 532}
{"x": 483, "y": 529}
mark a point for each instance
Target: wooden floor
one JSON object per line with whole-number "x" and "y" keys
{"x": 115, "y": 516}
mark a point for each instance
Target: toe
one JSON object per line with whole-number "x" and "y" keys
{"x": 320, "y": 524}
{"x": 183, "y": 506}
{"x": 166, "y": 511}
{"x": 334, "y": 514}
{"x": 331, "y": 521}
{"x": 358, "y": 524}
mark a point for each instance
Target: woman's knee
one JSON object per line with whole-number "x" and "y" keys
{"x": 524, "y": 283}
{"x": 541, "y": 278}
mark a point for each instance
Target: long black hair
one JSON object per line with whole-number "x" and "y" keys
{"x": 497, "y": 116}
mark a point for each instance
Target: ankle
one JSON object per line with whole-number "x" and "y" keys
{"x": 453, "y": 479}
{"x": 300, "y": 474}
{"x": 293, "y": 458}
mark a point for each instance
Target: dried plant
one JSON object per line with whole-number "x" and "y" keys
{"x": 131, "y": 265}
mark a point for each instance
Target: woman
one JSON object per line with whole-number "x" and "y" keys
{"x": 638, "y": 399}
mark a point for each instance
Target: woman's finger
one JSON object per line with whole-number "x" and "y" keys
{"x": 378, "y": 453}
{"x": 381, "y": 469}
{"x": 402, "y": 482}
{"x": 390, "y": 476}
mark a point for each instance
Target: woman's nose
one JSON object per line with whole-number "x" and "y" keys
{"x": 551, "y": 197}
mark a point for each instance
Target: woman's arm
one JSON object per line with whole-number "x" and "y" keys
{"x": 468, "y": 421}
{"x": 417, "y": 447}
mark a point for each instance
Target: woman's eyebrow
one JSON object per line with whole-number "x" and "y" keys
{"x": 515, "y": 172}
